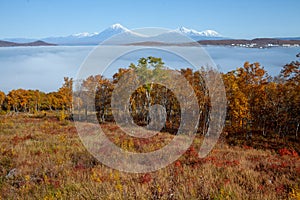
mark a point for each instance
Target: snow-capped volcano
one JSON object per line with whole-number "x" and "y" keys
{"x": 115, "y": 28}
{"x": 87, "y": 38}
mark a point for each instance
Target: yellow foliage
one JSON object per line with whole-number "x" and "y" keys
{"x": 46, "y": 179}
{"x": 295, "y": 194}
{"x": 62, "y": 115}
{"x": 96, "y": 176}
{"x": 119, "y": 186}
{"x": 27, "y": 178}
{"x": 128, "y": 145}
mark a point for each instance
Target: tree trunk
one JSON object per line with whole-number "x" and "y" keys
{"x": 296, "y": 134}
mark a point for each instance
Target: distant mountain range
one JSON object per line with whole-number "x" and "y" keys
{"x": 207, "y": 37}
{"x": 86, "y": 38}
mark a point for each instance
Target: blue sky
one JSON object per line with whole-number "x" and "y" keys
{"x": 231, "y": 18}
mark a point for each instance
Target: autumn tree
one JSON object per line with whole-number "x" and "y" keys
{"x": 291, "y": 79}
{"x": 65, "y": 94}
{"x": 103, "y": 93}
{"x": 15, "y": 101}
{"x": 196, "y": 80}
{"x": 2, "y": 98}
{"x": 85, "y": 99}
{"x": 238, "y": 107}
{"x": 148, "y": 70}
{"x": 247, "y": 100}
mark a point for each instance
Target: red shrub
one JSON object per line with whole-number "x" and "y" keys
{"x": 79, "y": 167}
{"x": 260, "y": 187}
{"x": 178, "y": 168}
{"x": 247, "y": 147}
{"x": 178, "y": 164}
{"x": 227, "y": 181}
{"x": 18, "y": 139}
{"x": 285, "y": 151}
{"x": 294, "y": 153}
{"x": 280, "y": 189}
{"x": 146, "y": 178}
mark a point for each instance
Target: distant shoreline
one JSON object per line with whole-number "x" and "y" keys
{"x": 243, "y": 43}
{"x": 255, "y": 43}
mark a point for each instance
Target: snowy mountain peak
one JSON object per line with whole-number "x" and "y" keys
{"x": 118, "y": 26}
{"x": 192, "y": 32}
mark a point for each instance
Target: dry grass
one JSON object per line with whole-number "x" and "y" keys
{"x": 43, "y": 158}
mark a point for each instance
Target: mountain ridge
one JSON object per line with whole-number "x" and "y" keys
{"x": 4, "y": 43}
{"x": 86, "y": 38}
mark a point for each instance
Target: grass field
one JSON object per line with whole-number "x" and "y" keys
{"x": 42, "y": 157}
